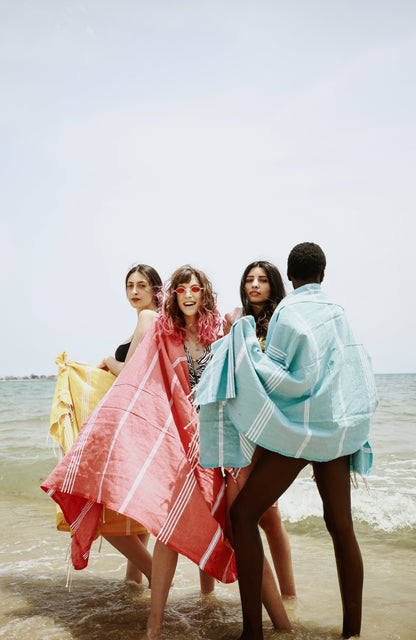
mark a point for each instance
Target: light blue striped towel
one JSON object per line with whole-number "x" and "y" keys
{"x": 311, "y": 395}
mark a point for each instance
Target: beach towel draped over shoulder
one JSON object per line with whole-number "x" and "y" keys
{"x": 79, "y": 389}
{"x": 137, "y": 455}
{"x": 311, "y": 395}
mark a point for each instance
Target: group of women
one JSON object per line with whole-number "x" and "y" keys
{"x": 142, "y": 443}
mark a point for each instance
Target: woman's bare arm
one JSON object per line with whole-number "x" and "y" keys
{"x": 146, "y": 318}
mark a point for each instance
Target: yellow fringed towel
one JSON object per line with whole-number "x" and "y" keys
{"x": 79, "y": 388}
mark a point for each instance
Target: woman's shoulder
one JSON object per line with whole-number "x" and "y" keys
{"x": 145, "y": 319}
{"x": 148, "y": 313}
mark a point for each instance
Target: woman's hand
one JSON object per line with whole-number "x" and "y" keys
{"x": 103, "y": 365}
{"x": 230, "y": 318}
{"x": 109, "y": 363}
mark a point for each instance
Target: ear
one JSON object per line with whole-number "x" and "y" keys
{"x": 322, "y": 275}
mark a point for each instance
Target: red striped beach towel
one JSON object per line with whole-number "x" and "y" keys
{"x": 137, "y": 454}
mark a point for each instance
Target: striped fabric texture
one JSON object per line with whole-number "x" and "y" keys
{"x": 79, "y": 389}
{"x": 311, "y": 395}
{"x": 137, "y": 454}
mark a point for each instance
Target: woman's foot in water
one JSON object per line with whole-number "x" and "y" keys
{"x": 133, "y": 574}
{"x": 151, "y": 633}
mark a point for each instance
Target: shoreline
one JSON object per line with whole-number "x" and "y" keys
{"x": 27, "y": 378}
{"x": 100, "y": 606}
{"x": 53, "y": 376}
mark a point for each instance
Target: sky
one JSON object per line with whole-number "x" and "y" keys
{"x": 205, "y": 132}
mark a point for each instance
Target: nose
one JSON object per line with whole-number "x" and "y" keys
{"x": 188, "y": 292}
{"x": 255, "y": 283}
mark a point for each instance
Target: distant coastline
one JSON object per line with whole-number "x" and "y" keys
{"x": 33, "y": 376}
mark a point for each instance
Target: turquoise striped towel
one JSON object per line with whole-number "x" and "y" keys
{"x": 311, "y": 395}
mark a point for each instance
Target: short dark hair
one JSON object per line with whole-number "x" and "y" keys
{"x": 306, "y": 261}
{"x": 152, "y": 275}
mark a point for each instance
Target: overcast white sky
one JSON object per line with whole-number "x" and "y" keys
{"x": 211, "y": 132}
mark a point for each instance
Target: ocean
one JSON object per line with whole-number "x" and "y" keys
{"x": 37, "y": 604}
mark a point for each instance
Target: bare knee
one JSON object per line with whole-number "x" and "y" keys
{"x": 339, "y": 526}
{"x": 271, "y": 520}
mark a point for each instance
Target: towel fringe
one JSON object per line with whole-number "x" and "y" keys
{"x": 67, "y": 551}
{"x": 69, "y": 569}
{"x": 233, "y": 471}
{"x": 194, "y": 445}
{"x": 354, "y": 480}
{"x": 193, "y": 452}
{"x": 194, "y": 411}
{"x": 193, "y": 449}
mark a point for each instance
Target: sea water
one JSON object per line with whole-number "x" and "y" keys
{"x": 37, "y": 604}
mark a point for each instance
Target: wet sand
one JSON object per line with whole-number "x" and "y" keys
{"x": 35, "y": 603}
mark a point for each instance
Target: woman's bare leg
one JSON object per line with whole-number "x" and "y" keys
{"x": 207, "y": 583}
{"x": 333, "y": 481}
{"x": 133, "y": 574}
{"x": 271, "y": 598}
{"x": 163, "y": 569}
{"x": 231, "y": 492}
{"x": 271, "y": 476}
{"x": 279, "y": 545}
{"x": 140, "y": 560}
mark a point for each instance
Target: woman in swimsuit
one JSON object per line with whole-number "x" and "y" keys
{"x": 137, "y": 453}
{"x": 143, "y": 289}
{"x": 190, "y": 317}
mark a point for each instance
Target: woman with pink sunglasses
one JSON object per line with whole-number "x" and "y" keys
{"x": 142, "y": 444}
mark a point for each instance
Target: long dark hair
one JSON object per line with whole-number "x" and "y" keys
{"x": 277, "y": 293}
{"x": 171, "y": 319}
{"x": 153, "y": 277}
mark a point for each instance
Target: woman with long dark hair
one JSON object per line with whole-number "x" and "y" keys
{"x": 143, "y": 289}
{"x": 261, "y": 290}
